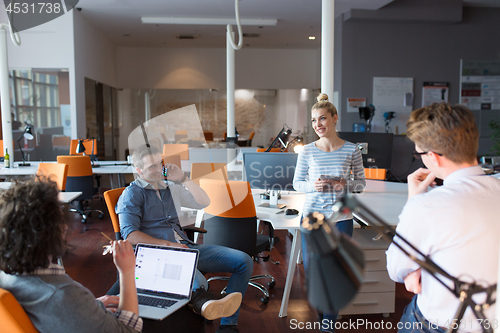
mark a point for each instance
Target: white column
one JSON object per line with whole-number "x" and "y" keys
{"x": 147, "y": 107}
{"x": 230, "y": 52}
{"x": 5, "y": 96}
{"x": 327, "y": 45}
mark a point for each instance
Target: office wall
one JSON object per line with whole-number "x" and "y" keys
{"x": 189, "y": 68}
{"x": 47, "y": 46}
{"x": 426, "y": 51}
{"x": 95, "y": 58}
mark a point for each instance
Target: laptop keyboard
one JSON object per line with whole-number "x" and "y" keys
{"x": 156, "y": 302}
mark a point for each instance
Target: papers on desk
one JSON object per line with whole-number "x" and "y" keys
{"x": 267, "y": 208}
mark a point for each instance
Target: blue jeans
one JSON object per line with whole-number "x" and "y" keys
{"x": 345, "y": 227}
{"x": 414, "y": 321}
{"x": 215, "y": 258}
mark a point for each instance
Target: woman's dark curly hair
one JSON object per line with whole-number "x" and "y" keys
{"x": 31, "y": 226}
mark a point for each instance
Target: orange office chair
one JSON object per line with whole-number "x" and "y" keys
{"x": 12, "y": 316}
{"x": 250, "y": 138}
{"x": 375, "y": 173}
{"x": 56, "y": 172}
{"x": 209, "y": 171}
{"x": 111, "y": 198}
{"x": 88, "y": 147}
{"x": 273, "y": 150}
{"x": 209, "y": 136}
{"x": 172, "y": 159}
{"x": 181, "y": 149}
{"x": 181, "y": 134}
{"x": 230, "y": 220}
{"x": 80, "y": 179}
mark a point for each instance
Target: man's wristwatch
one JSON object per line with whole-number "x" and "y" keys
{"x": 183, "y": 179}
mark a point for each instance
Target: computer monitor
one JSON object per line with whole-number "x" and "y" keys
{"x": 379, "y": 153}
{"x": 269, "y": 171}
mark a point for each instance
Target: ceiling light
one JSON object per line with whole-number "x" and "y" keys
{"x": 312, "y": 37}
{"x": 205, "y": 21}
{"x": 187, "y": 36}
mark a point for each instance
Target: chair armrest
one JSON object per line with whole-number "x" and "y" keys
{"x": 190, "y": 230}
{"x": 194, "y": 229}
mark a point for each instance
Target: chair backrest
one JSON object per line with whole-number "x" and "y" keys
{"x": 209, "y": 136}
{"x": 181, "y": 134}
{"x": 58, "y": 141}
{"x": 181, "y": 149}
{"x": 13, "y": 318}
{"x": 230, "y": 219}
{"x": 111, "y": 198}
{"x": 250, "y": 137}
{"x": 273, "y": 150}
{"x": 208, "y": 171}
{"x": 172, "y": 159}
{"x": 56, "y": 172}
{"x": 375, "y": 173}
{"x": 2, "y": 150}
{"x": 88, "y": 147}
{"x": 80, "y": 176}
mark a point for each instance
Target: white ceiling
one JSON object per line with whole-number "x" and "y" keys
{"x": 120, "y": 21}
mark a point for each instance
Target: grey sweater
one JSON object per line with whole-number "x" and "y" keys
{"x": 56, "y": 303}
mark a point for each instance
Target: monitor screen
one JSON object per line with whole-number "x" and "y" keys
{"x": 269, "y": 171}
{"x": 379, "y": 153}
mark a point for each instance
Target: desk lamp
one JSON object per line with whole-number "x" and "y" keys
{"x": 80, "y": 148}
{"x": 296, "y": 143}
{"x": 28, "y": 134}
{"x": 329, "y": 248}
{"x": 282, "y": 138}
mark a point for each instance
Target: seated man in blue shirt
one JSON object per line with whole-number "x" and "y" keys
{"x": 148, "y": 209}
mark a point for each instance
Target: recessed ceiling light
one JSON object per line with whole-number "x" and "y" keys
{"x": 312, "y": 37}
{"x": 187, "y": 36}
{"x": 250, "y": 35}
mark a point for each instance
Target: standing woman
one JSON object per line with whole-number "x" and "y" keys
{"x": 328, "y": 157}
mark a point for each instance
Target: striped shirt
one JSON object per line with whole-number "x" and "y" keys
{"x": 345, "y": 162}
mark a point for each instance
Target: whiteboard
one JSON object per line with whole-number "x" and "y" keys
{"x": 393, "y": 94}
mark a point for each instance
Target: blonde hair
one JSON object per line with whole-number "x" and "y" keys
{"x": 323, "y": 103}
{"x": 445, "y": 129}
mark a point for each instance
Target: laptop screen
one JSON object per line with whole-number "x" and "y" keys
{"x": 163, "y": 269}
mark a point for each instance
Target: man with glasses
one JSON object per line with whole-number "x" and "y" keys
{"x": 148, "y": 213}
{"x": 456, "y": 224}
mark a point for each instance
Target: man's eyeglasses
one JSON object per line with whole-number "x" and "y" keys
{"x": 418, "y": 155}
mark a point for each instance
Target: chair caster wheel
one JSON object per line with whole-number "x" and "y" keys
{"x": 264, "y": 300}
{"x": 271, "y": 284}
{"x": 101, "y": 216}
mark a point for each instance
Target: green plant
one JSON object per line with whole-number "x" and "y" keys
{"x": 495, "y": 137}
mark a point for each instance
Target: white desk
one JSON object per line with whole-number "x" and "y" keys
{"x": 64, "y": 197}
{"x": 384, "y": 198}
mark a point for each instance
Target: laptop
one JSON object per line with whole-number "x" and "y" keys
{"x": 164, "y": 278}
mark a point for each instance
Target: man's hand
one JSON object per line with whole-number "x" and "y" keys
{"x": 174, "y": 172}
{"x": 174, "y": 244}
{"x": 320, "y": 184}
{"x": 123, "y": 256}
{"x": 110, "y": 302}
{"x": 419, "y": 181}
{"x": 413, "y": 282}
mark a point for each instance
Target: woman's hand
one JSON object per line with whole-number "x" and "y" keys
{"x": 123, "y": 256}
{"x": 326, "y": 185}
{"x": 110, "y": 302}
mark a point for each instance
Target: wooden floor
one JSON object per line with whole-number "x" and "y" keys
{"x": 84, "y": 263}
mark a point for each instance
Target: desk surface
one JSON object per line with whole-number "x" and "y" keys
{"x": 63, "y": 196}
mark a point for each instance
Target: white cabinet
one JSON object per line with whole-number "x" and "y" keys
{"x": 378, "y": 292}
